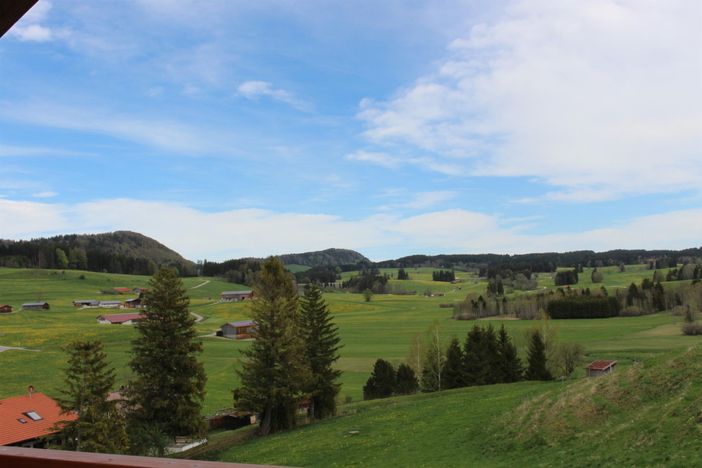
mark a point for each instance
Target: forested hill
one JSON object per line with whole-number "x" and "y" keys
{"x": 115, "y": 252}
{"x": 329, "y": 257}
{"x": 548, "y": 261}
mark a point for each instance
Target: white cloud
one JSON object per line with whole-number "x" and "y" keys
{"x": 423, "y": 200}
{"x": 396, "y": 162}
{"x": 250, "y": 232}
{"x": 45, "y": 194}
{"x": 28, "y": 28}
{"x": 600, "y": 99}
{"x": 256, "y": 89}
{"x": 159, "y": 133}
{"x": 29, "y": 151}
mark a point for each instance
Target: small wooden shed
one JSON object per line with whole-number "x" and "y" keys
{"x": 35, "y": 306}
{"x": 601, "y": 367}
{"x": 235, "y": 296}
{"x": 5, "y": 308}
{"x": 238, "y": 330}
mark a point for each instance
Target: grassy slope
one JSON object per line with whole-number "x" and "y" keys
{"x": 380, "y": 328}
{"x": 647, "y": 415}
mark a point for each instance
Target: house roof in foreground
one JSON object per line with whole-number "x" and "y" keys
{"x": 14, "y": 410}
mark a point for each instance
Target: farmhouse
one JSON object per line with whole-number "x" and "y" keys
{"x": 119, "y": 319}
{"x": 235, "y": 296}
{"x": 86, "y": 303}
{"x": 35, "y": 306}
{"x": 5, "y": 309}
{"x": 110, "y": 304}
{"x": 135, "y": 303}
{"x": 601, "y": 367}
{"x": 27, "y": 420}
{"x": 122, "y": 290}
{"x": 238, "y": 330}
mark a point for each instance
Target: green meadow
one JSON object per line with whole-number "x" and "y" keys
{"x": 381, "y": 328}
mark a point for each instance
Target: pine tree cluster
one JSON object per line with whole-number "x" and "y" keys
{"x": 291, "y": 360}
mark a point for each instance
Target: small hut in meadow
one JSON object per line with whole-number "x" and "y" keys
{"x": 238, "y": 330}
{"x": 235, "y": 296}
{"x": 601, "y": 367}
{"x": 35, "y": 306}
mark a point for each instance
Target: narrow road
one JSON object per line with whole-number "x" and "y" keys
{"x": 200, "y": 285}
{"x": 198, "y": 317}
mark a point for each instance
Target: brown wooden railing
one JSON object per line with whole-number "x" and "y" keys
{"x": 19, "y": 457}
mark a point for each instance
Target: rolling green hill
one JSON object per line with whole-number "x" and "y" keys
{"x": 648, "y": 414}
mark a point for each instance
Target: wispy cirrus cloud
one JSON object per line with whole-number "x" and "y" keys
{"x": 255, "y": 89}
{"x": 165, "y": 134}
{"x": 396, "y": 162}
{"x": 599, "y": 99}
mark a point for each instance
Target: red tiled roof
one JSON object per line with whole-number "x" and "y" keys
{"x": 121, "y": 318}
{"x": 122, "y": 289}
{"x": 12, "y": 409}
{"x": 601, "y": 365}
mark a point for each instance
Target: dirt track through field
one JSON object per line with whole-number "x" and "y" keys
{"x": 200, "y": 285}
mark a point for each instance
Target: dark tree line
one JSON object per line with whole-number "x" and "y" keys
{"x": 544, "y": 262}
{"x": 583, "y": 307}
{"x": 484, "y": 358}
{"x": 402, "y": 274}
{"x": 368, "y": 280}
{"x": 564, "y": 278}
{"x": 321, "y": 274}
{"x": 443, "y": 275}
{"x": 385, "y": 381}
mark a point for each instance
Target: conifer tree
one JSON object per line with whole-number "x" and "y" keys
{"x": 536, "y": 358}
{"x": 474, "y": 358}
{"x": 452, "y": 374}
{"x": 511, "y": 369}
{"x": 491, "y": 353}
{"x": 406, "y": 381}
{"x": 382, "y": 381}
{"x": 321, "y": 338}
{"x": 100, "y": 427}
{"x": 274, "y": 372}
{"x": 169, "y": 382}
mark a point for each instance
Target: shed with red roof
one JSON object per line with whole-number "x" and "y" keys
{"x": 119, "y": 319}
{"x": 600, "y": 367}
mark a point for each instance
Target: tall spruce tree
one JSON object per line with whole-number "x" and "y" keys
{"x": 168, "y": 387}
{"x": 491, "y": 370}
{"x": 322, "y": 340}
{"x": 100, "y": 426}
{"x": 536, "y": 359}
{"x": 452, "y": 374}
{"x": 382, "y": 381}
{"x": 510, "y": 366}
{"x": 274, "y": 373}
{"x": 406, "y": 380}
{"x": 474, "y": 358}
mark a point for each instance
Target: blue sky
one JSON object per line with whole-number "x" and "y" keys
{"x": 227, "y": 129}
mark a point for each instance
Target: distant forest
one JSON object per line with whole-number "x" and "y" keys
{"x": 118, "y": 252}
{"x": 491, "y": 264}
{"x": 133, "y": 253}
